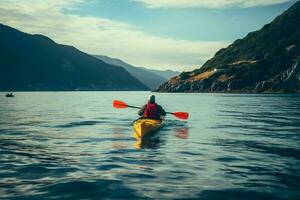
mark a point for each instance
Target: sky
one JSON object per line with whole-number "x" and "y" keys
{"x": 160, "y": 34}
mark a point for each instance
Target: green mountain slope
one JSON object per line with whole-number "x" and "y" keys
{"x": 264, "y": 61}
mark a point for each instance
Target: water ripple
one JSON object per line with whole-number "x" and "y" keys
{"x": 75, "y": 145}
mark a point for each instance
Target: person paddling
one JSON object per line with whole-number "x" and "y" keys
{"x": 152, "y": 110}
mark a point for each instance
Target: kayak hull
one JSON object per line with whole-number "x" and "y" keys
{"x": 146, "y": 127}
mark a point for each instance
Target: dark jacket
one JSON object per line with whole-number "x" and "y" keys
{"x": 161, "y": 111}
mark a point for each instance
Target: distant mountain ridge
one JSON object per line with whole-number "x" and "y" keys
{"x": 264, "y": 61}
{"x": 35, "y": 62}
{"x": 167, "y": 74}
{"x": 149, "y": 77}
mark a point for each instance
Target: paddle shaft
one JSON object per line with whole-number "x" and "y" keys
{"x": 169, "y": 113}
{"x": 121, "y": 104}
{"x": 140, "y": 108}
{"x": 134, "y": 107}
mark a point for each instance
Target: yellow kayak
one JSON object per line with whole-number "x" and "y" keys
{"x": 143, "y": 127}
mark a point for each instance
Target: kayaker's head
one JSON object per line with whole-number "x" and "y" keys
{"x": 151, "y": 98}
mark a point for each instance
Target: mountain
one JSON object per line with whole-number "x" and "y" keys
{"x": 167, "y": 74}
{"x": 264, "y": 61}
{"x": 35, "y": 62}
{"x": 151, "y": 78}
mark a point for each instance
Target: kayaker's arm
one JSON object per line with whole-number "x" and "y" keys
{"x": 161, "y": 111}
{"x": 141, "y": 111}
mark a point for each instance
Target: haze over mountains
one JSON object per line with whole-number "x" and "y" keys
{"x": 35, "y": 62}
{"x": 151, "y": 78}
{"x": 264, "y": 61}
{"x": 167, "y": 74}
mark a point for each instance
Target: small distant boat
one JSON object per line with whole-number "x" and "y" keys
{"x": 10, "y": 95}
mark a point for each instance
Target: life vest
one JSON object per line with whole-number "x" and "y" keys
{"x": 151, "y": 111}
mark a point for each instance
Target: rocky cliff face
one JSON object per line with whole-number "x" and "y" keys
{"x": 264, "y": 61}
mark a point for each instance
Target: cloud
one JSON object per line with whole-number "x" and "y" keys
{"x": 97, "y": 35}
{"x": 208, "y": 3}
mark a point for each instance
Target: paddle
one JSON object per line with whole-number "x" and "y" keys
{"x": 121, "y": 104}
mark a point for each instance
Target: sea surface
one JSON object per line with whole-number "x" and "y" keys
{"x": 75, "y": 145}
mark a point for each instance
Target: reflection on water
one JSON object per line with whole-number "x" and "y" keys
{"x": 118, "y": 134}
{"x": 153, "y": 142}
{"x": 182, "y": 133}
{"x": 74, "y": 145}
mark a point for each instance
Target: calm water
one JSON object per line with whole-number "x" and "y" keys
{"x": 74, "y": 145}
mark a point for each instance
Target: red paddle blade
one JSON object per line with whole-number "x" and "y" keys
{"x": 119, "y": 104}
{"x": 181, "y": 115}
